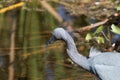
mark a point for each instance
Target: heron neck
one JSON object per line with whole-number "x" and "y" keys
{"x": 75, "y": 55}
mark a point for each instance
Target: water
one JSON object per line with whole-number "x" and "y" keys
{"x": 32, "y": 60}
{"x": 60, "y": 67}
{"x": 52, "y": 63}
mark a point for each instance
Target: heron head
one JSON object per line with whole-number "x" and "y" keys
{"x": 58, "y": 34}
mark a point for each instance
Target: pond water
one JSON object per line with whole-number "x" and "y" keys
{"x": 52, "y": 64}
{"x": 33, "y": 61}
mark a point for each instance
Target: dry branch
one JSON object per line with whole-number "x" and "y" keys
{"x": 91, "y": 26}
{"x": 11, "y": 7}
{"x": 51, "y": 10}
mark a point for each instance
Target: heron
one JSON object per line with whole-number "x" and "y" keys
{"x": 105, "y": 65}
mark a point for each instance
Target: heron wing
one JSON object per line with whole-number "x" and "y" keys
{"x": 107, "y": 72}
{"x": 94, "y": 52}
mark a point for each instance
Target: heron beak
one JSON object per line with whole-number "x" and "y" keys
{"x": 51, "y": 40}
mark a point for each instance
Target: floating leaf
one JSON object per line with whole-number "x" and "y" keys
{"x": 88, "y": 37}
{"x": 118, "y": 8}
{"x": 100, "y": 40}
{"x": 115, "y": 29}
{"x": 1, "y": 6}
{"x": 99, "y": 29}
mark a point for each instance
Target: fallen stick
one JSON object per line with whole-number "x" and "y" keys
{"x": 11, "y": 7}
{"x": 91, "y": 26}
{"x": 51, "y": 10}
